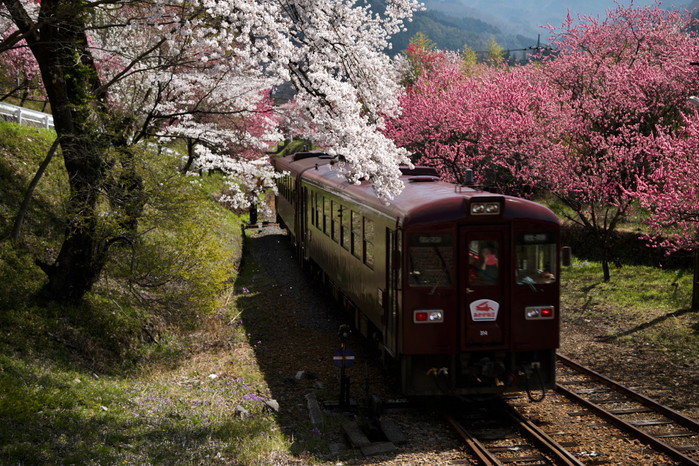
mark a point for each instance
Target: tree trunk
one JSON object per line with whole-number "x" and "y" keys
{"x": 70, "y": 80}
{"x": 82, "y": 254}
{"x": 190, "y": 156}
{"x": 606, "y": 276}
{"x": 82, "y": 122}
{"x": 695, "y": 283}
{"x": 603, "y": 238}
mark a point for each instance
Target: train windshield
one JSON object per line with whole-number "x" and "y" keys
{"x": 431, "y": 260}
{"x": 535, "y": 258}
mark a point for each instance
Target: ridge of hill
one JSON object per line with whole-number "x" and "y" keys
{"x": 451, "y": 24}
{"x": 453, "y": 32}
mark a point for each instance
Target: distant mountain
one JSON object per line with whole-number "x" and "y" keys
{"x": 496, "y": 17}
{"x": 515, "y": 24}
{"x": 453, "y": 31}
{"x": 527, "y": 17}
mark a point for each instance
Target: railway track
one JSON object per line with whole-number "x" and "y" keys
{"x": 660, "y": 427}
{"x": 498, "y": 434}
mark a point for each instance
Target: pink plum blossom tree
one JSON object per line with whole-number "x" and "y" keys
{"x": 19, "y": 73}
{"x": 671, "y": 194}
{"x": 623, "y": 82}
{"x": 491, "y": 119}
{"x": 584, "y": 123}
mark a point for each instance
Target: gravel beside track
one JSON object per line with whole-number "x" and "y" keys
{"x": 293, "y": 330}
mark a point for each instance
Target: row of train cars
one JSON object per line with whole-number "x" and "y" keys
{"x": 457, "y": 286}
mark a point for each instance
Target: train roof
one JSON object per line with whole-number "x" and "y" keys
{"x": 424, "y": 199}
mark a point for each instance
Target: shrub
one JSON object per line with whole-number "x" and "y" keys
{"x": 184, "y": 256}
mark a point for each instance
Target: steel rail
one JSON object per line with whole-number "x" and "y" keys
{"x": 484, "y": 455}
{"x": 562, "y": 456}
{"x": 620, "y": 423}
{"x": 644, "y": 400}
{"x": 548, "y": 446}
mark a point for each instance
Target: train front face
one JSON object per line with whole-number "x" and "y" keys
{"x": 480, "y": 299}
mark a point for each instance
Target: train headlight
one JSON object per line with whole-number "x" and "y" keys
{"x": 428, "y": 316}
{"x": 485, "y": 208}
{"x": 539, "y": 313}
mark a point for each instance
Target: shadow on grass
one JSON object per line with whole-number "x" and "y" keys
{"x": 68, "y": 395}
{"x": 649, "y": 324}
{"x": 587, "y": 289}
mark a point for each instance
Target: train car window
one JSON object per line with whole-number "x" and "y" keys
{"x": 369, "y": 242}
{"x": 312, "y": 207}
{"x": 345, "y": 228}
{"x": 318, "y": 209}
{"x": 280, "y": 186}
{"x": 356, "y": 235}
{"x": 535, "y": 258}
{"x": 431, "y": 260}
{"x": 484, "y": 262}
{"x": 335, "y": 221}
{"x": 327, "y": 213}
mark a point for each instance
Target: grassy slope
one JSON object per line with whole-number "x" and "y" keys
{"x": 110, "y": 381}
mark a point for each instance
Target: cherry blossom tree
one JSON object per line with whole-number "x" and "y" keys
{"x": 120, "y": 73}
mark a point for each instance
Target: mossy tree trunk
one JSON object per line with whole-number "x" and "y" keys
{"x": 59, "y": 43}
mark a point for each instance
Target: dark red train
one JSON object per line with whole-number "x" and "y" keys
{"x": 458, "y": 285}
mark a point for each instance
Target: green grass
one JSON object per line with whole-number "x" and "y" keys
{"x": 135, "y": 373}
{"x": 640, "y": 305}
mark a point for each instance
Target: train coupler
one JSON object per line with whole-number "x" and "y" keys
{"x": 441, "y": 371}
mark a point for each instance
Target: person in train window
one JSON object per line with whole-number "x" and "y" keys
{"x": 487, "y": 267}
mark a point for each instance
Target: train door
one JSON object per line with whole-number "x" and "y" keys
{"x": 300, "y": 197}
{"x": 307, "y": 206}
{"x": 483, "y": 258}
{"x": 392, "y": 294}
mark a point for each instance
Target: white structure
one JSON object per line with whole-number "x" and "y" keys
{"x": 25, "y": 116}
